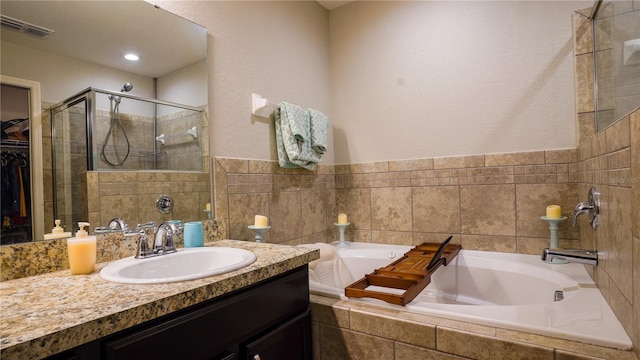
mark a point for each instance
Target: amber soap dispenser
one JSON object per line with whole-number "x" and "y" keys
{"x": 82, "y": 251}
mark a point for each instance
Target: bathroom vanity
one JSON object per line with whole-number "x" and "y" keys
{"x": 258, "y": 312}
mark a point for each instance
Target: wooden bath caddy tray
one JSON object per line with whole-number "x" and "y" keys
{"x": 411, "y": 273}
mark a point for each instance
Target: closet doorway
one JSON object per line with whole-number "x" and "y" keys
{"x": 22, "y": 200}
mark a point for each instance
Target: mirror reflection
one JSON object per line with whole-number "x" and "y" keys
{"x": 617, "y": 61}
{"x": 123, "y": 132}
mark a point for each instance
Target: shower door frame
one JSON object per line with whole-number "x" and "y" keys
{"x": 88, "y": 97}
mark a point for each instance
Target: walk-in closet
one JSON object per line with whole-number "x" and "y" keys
{"x": 15, "y": 175}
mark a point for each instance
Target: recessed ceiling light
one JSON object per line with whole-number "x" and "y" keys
{"x": 131, "y": 57}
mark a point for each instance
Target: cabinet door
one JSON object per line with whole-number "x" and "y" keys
{"x": 210, "y": 330}
{"x": 225, "y": 356}
{"x": 291, "y": 341}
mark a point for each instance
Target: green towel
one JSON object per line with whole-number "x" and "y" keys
{"x": 293, "y": 137}
{"x": 319, "y": 130}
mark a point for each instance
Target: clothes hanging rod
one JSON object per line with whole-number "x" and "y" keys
{"x": 14, "y": 144}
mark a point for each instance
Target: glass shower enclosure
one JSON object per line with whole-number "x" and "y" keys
{"x": 102, "y": 130}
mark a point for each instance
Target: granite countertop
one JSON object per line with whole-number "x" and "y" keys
{"x": 46, "y": 314}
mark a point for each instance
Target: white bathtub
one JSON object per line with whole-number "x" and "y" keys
{"x": 498, "y": 289}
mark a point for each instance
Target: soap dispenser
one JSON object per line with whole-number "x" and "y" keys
{"x": 57, "y": 232}
{"x": 82, "y": 251}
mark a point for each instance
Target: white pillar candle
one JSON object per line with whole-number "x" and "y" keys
{"x": 342, "y": 218}
{"x": 261, "y": 221}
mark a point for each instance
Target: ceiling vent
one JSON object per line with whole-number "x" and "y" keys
{"x": 25, "y": 27}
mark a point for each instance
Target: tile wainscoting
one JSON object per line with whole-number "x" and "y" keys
{"x": 488, "y": 202}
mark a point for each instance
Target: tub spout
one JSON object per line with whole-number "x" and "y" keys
{"x": 587, "y": 257}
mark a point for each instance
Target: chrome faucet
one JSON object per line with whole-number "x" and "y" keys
{"x": 587, "y": 257}
{"x": 164, "y": 239}
{"x": 591, "y": 207}
{"x": 117, "y": 224}
{"x": 163, "y": 242}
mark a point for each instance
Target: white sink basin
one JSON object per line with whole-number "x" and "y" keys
{"x": 186, "y": 264}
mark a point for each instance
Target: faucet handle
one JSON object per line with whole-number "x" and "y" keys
{"x": 146, "y": 225}
{"x": 591, "y": 207}
{"x": 118, "y": 224}
{"x": 169, "y": 244}
{"x": 176, "y": 227}
{"x": 164, "y": 236}
{"x": 581, "y": 208}
{"x": 143, "y": 245}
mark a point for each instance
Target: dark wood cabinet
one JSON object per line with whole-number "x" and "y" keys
{"x": 268, "y": 320}
{"x": 291, "y": 341}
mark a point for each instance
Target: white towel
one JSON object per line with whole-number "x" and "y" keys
{"x": 329, "y": 270}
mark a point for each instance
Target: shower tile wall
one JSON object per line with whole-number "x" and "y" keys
{"x": 488, "y": 202}
{"x": 610, "y": 161}
{"x": 182, "y": 151}
{"x": 139, "y": 131}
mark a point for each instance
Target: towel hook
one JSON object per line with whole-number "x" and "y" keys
{"x": 261, "y": 106}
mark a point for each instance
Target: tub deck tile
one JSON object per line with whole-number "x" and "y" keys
{"x": 486, "y": 347}
{"x": 358, "y": 326}
{"x": 568, "y": 345}
{"x": 395, "y": 329}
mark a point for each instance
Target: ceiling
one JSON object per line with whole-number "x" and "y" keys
{"x": 103, "y": 31}
{"x": 332, "y": 4}
{"x": 106, "y": 33}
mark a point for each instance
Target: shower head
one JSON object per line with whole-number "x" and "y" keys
{"x": 126, "y": 87}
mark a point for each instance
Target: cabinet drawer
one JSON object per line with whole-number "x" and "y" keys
{"x": 291, "y": 341}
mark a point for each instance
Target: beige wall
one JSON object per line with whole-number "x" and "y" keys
{"x": 71, "y": 75}
{"x": 279, "y": 49}
{"x": 420, "y": 79}
{"x": 392, "y": 85}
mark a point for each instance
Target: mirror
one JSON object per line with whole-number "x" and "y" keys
{"x": 617, "y": 61}
{"x": 87, "y": 48}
